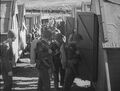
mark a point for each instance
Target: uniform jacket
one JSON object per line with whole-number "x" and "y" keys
{"x": 6, "y": 56}
{"x": 42, "y": 56}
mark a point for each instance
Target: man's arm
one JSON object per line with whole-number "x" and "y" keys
{"x": 63, "y": 55}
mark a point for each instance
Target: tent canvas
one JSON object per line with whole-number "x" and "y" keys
{"x": 110, "y": 12}
{"x": 112, "y": 19}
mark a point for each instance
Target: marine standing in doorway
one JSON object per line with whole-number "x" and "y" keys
{"x": 73, "y": 59}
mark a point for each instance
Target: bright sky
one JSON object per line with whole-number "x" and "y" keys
{"x": 48, "y": 3}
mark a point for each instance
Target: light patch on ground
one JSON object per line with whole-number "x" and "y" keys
{"x": 25, "y": 88}
{"x": 25, "y": 78}
{"x": 82, "y": 83}
{"x": 25, "y": 83}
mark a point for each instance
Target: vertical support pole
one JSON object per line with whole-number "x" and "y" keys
{"x": 102, "y": 13}
{"x": 107, "y": 70}
{"x": 10, "y": 16}
{"x": 101, "y": 4}
{"x": 75, "y": 18}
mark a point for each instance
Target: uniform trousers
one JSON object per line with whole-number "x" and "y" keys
{"x": 59, "y": 71}
{"x": 6, "y": 78}
{"x": 70, "y": 73}
{"x": 44, "y": 79}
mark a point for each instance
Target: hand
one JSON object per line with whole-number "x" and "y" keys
{"x": 49, "y": 71}
{"x": 50, "y": 51}
{"x": 10, "y": 73}
{"x": 32, "y": 65}
{"x": 57, "y": 51}
{"x": 77, "y": 52}
{"x": 32, "y": 62}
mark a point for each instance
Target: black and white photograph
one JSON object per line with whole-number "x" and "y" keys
{"x": 59, "y": 45}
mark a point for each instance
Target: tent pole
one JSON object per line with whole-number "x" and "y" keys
{"x": 101, "y": 4}
{"x": 11, "y": 14}
{"x": 107, "y": 70}
{"x": 75, "y": 19}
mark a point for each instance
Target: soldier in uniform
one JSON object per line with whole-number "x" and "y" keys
{"x": 6, "y": 56}
{"x": 59, "y": 71}
{"x": 73, "y": 58}
{"x": 43, "y": 64}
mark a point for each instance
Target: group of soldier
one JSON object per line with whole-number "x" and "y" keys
{"x": 56, "y": 57}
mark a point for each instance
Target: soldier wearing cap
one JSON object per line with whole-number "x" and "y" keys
{"x": 73, "y": 58}
{"x": 6, "y": 56}
{"x": 43, "y": 63}
{"x": 59, "y": 72}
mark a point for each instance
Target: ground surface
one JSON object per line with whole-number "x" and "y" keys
{"x": 26, "y": 77}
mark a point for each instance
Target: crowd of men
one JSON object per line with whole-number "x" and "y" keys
{"x": 53, "y": 55}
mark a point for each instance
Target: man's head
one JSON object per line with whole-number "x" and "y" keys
{"x": 11, "y": 35}
{"x": 59, "y": 38}
{"x": 75, "y": 38}
{"x": 46, "y": 34}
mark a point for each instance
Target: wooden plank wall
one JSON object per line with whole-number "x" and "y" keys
{"x": 87, "y": 27}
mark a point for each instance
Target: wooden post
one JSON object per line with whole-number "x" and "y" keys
{"x": 102, "y": 13}
{"x": 75, "y": 18}
{"x": 101, "y": 4}
{"x": 107, "y": 70}
{"x": 10, "y": 16}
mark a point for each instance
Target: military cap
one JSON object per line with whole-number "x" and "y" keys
{"x": 11, "y": 34}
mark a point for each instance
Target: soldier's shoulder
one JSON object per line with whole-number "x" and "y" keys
{"x": 3, "y": 48}
{"x": 43, "y": 41}
{"x": 39, "y": 43}
{"x": 4, "y": 45}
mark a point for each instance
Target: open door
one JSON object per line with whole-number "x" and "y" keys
{"x": 87, "y": 27}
